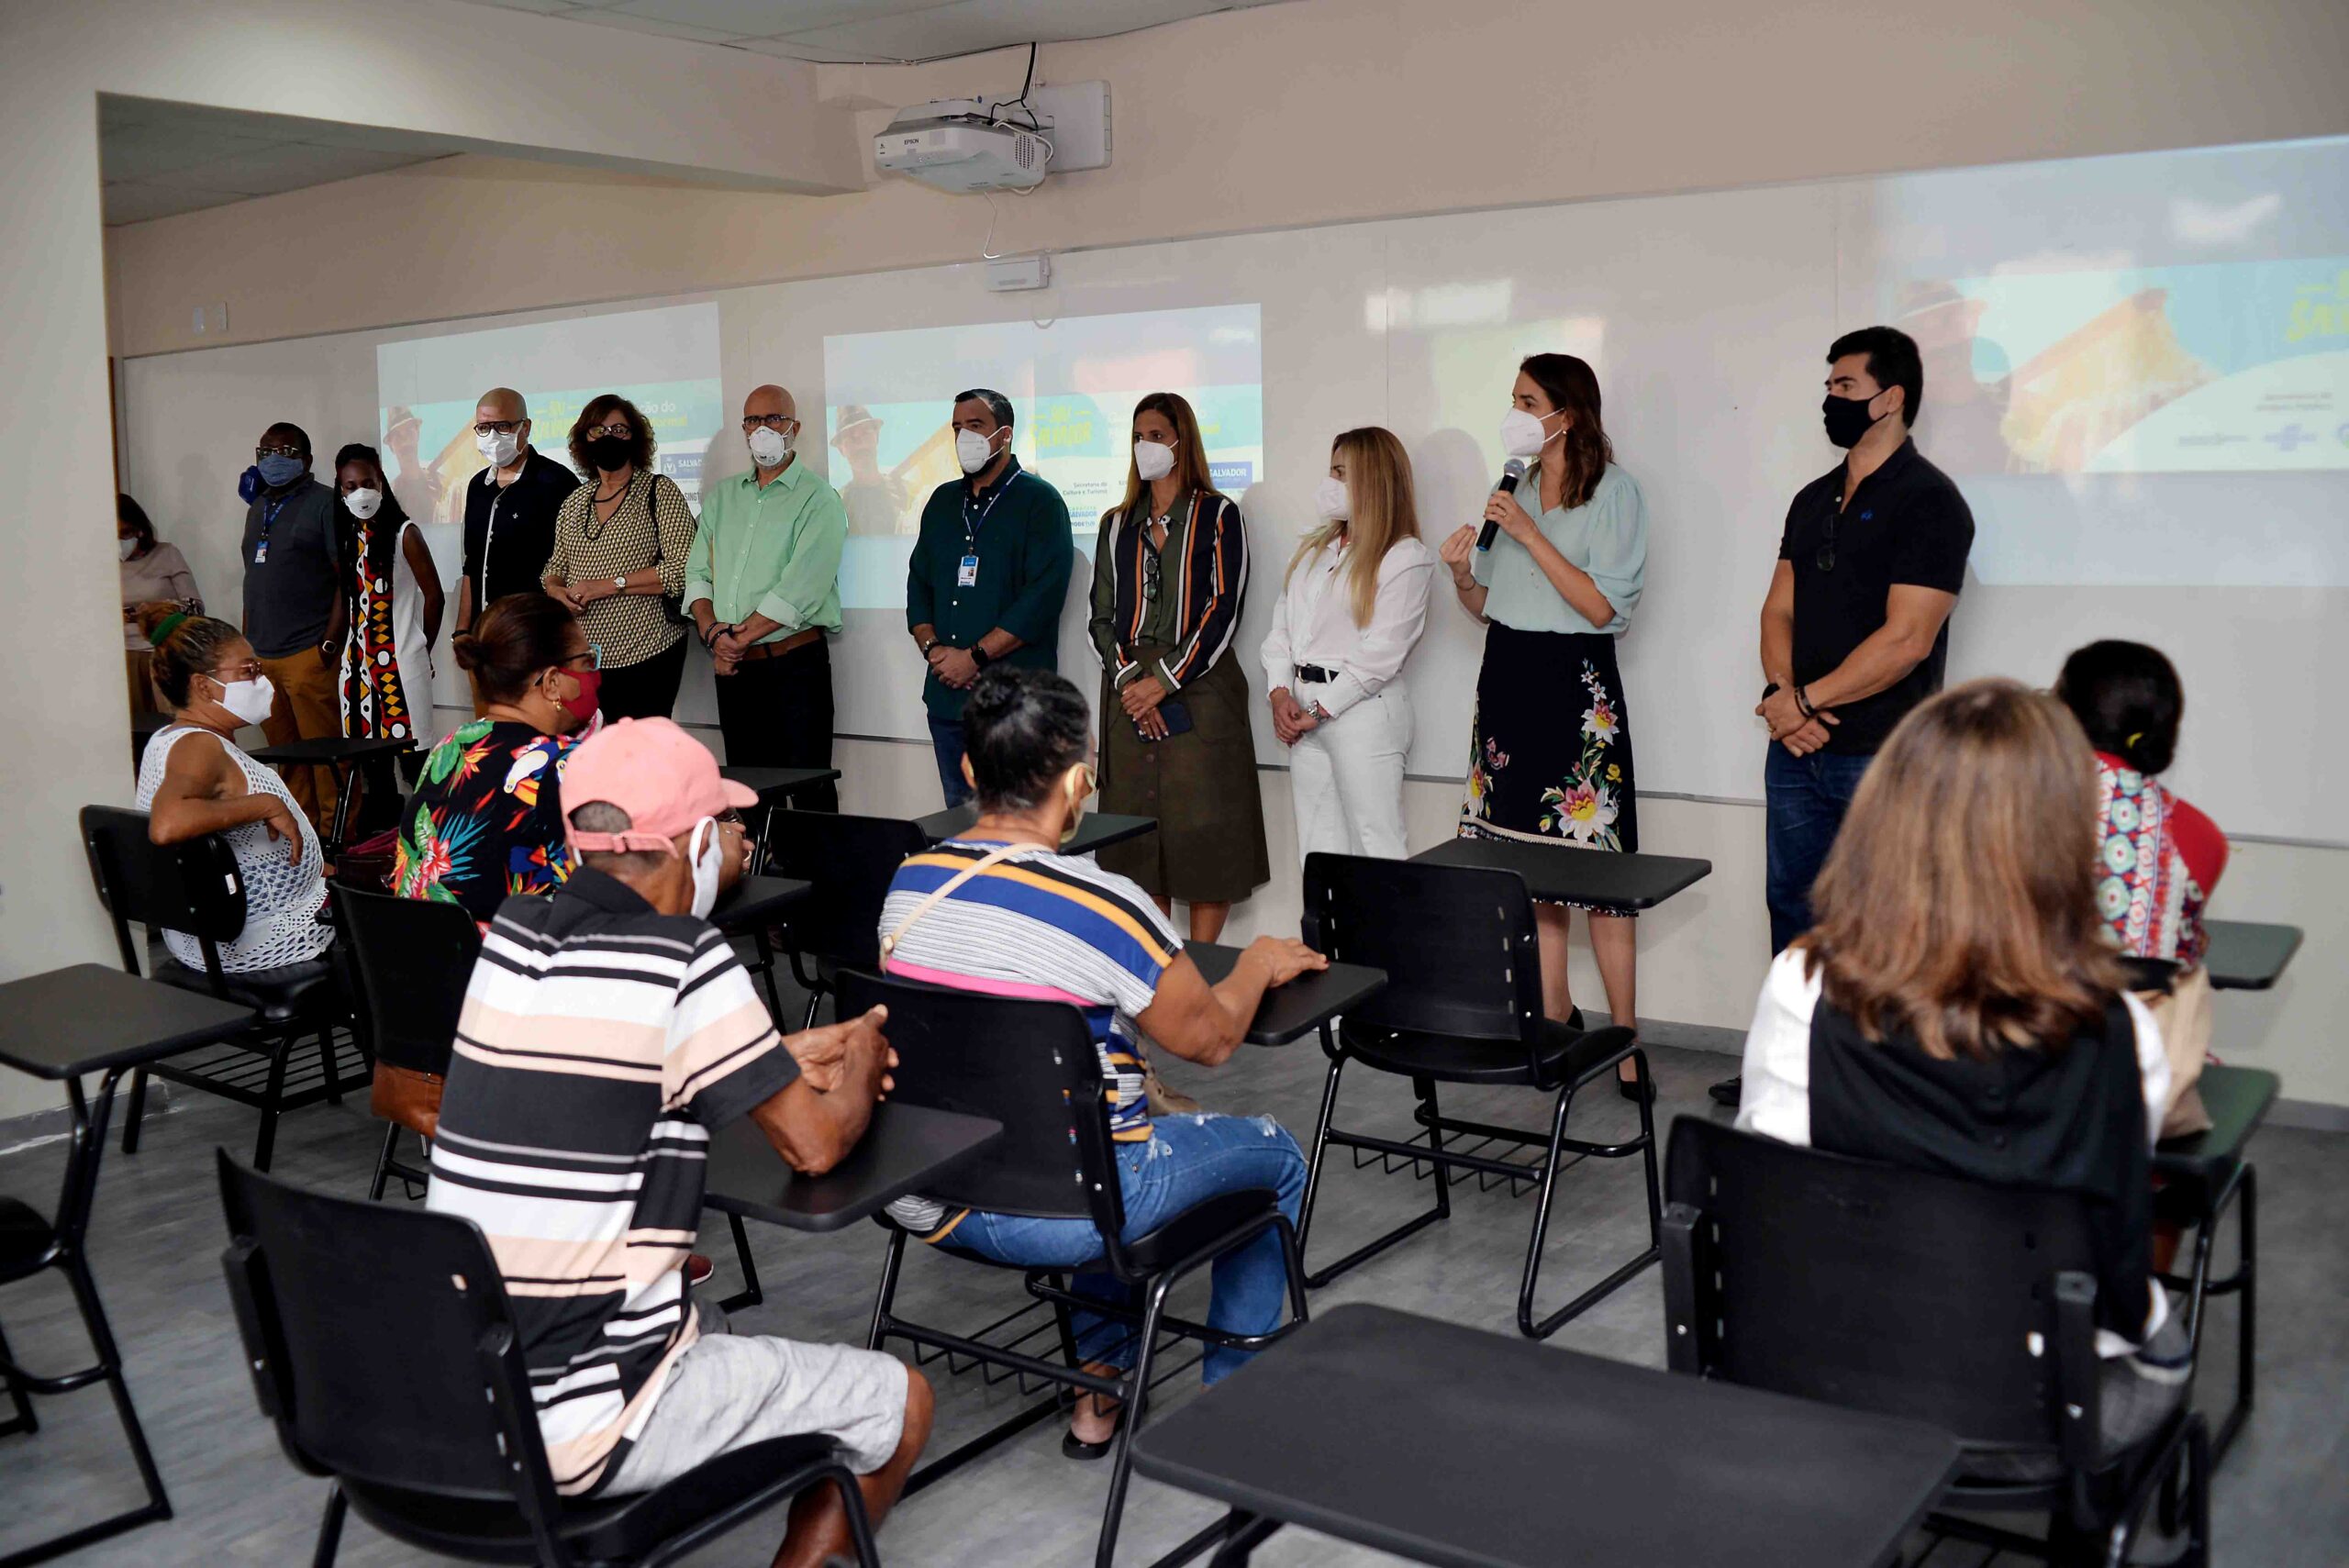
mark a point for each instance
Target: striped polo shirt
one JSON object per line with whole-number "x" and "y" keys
{"x": 1041, "y": 926}
{"x": 600, "y": 1044}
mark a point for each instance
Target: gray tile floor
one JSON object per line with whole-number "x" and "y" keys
{"x": 2280, "y": 1502}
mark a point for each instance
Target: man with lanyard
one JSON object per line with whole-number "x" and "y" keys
{"x": 297, "y": 603}
{"x": 1855, "y": 628}
{"x": 987, "y": 575}
{"x": 510, "y": 507}
{"x": 763, "y": 585}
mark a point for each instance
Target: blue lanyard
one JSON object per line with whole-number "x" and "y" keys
{"x": 970, "y": 528}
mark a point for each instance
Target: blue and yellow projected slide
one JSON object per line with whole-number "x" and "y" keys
{"x": 663, "y": 361}
{"x": 1073, "y": 383}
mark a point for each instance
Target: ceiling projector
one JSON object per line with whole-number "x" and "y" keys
{"x": 984, "y": 144}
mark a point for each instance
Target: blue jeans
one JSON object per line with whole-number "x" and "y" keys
{"x": 1187, "y": 1160}
{"x": 1808, "y": 797}
{"x": 946, "y": 737}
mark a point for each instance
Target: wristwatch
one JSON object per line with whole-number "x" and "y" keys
{"x": 980, "y": 656}
{"x": 928, "y": 646}
{"x": 619, "y": 583}
{"x": 1769, "y": 691}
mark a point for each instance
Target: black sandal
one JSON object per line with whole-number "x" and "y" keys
{"x": 1076, "y": 1448}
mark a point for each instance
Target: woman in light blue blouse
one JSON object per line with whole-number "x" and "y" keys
{"x": 1551, "y": 751}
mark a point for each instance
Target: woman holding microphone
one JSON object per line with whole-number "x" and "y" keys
{"x": 1168, "y": 576}
{"x": 1554, "y": 591}
{"x": 1351, "y": 611}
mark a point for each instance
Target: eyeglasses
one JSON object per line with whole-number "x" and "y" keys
{"x": 621, "y": 430}
{"x": 771, "y": 421}
{"x": 1826, "y": 558}
{"x": 594, "y": 657}
{"x": 280, "y": 450}
{"x": 229, "y": 674}
{"x": 500, "y": 426}
{"x": 1151, "y": 572}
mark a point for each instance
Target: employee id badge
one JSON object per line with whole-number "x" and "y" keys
{"x": 967, "y": 575}
{"x": 260, "y": 553}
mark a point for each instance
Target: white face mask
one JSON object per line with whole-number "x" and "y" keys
{"x": 249, "y": 700}
{"x": 126, "y": 547}
{"x": 972, "y": 450}
{"x": 769, "y": 446}
{"x": 707, "y": 859}
{"x": 1524, "y": 435}
{"x": 1331, "y": 501}
{"x": 363, "y": 504}
{"x": 1153, "y": 460}
{"x": 500, "y": 447}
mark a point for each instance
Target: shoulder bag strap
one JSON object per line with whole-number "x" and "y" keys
{"x": 889, "y": 942}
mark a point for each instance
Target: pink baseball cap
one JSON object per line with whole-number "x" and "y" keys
{"x": 665, "y": 779}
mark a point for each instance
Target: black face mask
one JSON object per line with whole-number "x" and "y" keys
{"x": 608, "y": 453}
{"x": 1848, "y": 418}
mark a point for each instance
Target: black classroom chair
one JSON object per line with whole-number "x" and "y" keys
{"x": 1463, "y": 1004}
{"x": 1033, "y": 1067}
{"x": 851, "y": 861}
{"x": 2203, "y": 1175}
{"x": 382, "y": 1346}
{"x": 412, "y": 958}
{"x": 1916, "y": 1293}
{"x": 194, "y": 887}
{"x": 30, "y": 1245}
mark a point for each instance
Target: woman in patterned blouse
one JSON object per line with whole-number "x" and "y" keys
{"x": 2159, "y": 858}
{"x": 621, "y": 542}
{"x": 486, "y": 823}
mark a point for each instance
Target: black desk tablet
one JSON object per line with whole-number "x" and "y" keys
{"x": 91, "y": 1017}
{"x": 2244, "y": 955}
{"x": 1562, "y": 873}
{"x": 773, "y": 784}
{"x": 2237, "y": 1099}
{"x": 1098, "y": 830}
{"x": 1295, "y": 1010}
{"x": 756, "y": 901}
{"x": 905, "y": 1150}
{"x": 1451, "y": 1446}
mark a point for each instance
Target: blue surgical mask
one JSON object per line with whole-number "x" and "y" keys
{"x": 277, "y": 470}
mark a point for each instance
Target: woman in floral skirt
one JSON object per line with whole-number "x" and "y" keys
{"x": 1552, "y": 743}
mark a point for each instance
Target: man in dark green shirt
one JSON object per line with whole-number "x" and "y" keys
{"x": 987, "y": 576}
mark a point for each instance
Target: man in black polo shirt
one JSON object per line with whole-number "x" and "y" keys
{"x": 510, "y": 507}
{"x": 297, "y": 607}
{"x": 988, "y": 577}
{"x": 1855, "y": 631}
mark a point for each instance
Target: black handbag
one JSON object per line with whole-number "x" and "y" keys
{"x": 673, "y": 606}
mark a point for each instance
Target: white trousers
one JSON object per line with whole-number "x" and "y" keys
{"x": 1346, "y": 777}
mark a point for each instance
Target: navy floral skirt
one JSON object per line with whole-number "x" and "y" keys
{"x": 1552, "y": 743}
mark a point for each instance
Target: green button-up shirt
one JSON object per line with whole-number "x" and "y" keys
{"x": 772, "y": 549}
{"x": 1018, "y": 528}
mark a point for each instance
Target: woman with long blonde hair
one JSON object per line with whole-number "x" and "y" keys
{"x": 1959, "y": 1006}
{"x": 1351, "y": 610}
{"x": 1169, "y": 575}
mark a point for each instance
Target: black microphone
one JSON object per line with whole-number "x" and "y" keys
{"x": 1511, "y": 471}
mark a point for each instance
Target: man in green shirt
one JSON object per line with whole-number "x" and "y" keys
{"x": 987, "y": 576}
{"x": 763, "y": 585}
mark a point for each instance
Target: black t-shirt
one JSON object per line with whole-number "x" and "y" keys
{"x": 514, "y": 526}
{"x": 1906, "y": 523}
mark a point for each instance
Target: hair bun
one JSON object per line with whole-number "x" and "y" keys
{"x": 158, "y": 619}
{"x": 467, "y": 651}
{"x": 994, "y": 693}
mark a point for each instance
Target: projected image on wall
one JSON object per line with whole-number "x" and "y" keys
{"x": 1073, "y": 383}
{"x": 663, "y": 361}
{"x": 2137, "y": 368}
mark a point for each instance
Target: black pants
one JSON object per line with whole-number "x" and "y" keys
{"x": 777, "y": 713}
{"x": 646, "y": 689}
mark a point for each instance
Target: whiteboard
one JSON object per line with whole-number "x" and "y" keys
{"x": 1705, "y": 316}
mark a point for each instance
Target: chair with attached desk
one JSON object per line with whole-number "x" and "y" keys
{"x": 1033, "y": 1067}
{"x": 414, "y": 958}
{"x": 1913, "y": 1292}
{"x": 194, "y": 887}
{"x": 851, "y": 861}
{"x": 1463, "y": 1004}
{"x": 382, "y": 1346}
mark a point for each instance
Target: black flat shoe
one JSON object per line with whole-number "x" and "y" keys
{"x": 1074, "y": 1447}
{"x": 1728, "y": 1091}
{"x": 1630, "y": 1088}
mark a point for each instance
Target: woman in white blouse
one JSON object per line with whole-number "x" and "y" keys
{"x": 1351, "y": 611}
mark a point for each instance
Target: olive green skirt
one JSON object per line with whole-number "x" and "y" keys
{"x": 1200, "y": 785}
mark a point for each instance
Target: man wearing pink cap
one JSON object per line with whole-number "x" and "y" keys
{"x": 608, "y": 1030}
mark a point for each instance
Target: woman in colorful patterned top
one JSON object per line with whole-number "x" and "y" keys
{"x": 394, "y": 597}
{"x": 2157, "y": 858}
{"x": 486, "y": 823}
{"x": 999, "y": 910}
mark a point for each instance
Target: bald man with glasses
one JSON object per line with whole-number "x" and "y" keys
{"x": 510, "y": 507}
{"x": 763, "y": 585}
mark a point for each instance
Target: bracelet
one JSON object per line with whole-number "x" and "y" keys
{"x": 1803, "y": 702}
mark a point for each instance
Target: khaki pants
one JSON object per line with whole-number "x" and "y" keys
{"x": 305, "y": 708}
